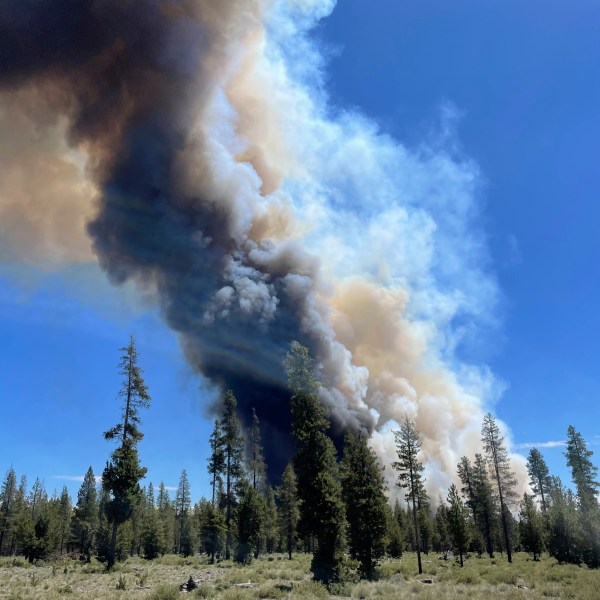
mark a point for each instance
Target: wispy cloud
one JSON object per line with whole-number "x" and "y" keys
{"x": 515, "y": 256}
{"x": 550, "y": 444}
{"x": 98, "y": 478}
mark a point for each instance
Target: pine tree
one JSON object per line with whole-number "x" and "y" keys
{"x": 539, "y": 476}
{"x": 121, "y": 478}
{"x": 137, "y": 525}
{"x": 410, "y": 469}
{"x": 363, "y": 488}
{"x": 104, "y": 530}
{"x": 250, "y": 513}
{"x": 125, "y": 536}
{"x": 458, "y": 523}
{"x": 166, "y": 517}
{"x": 65, "y": 513}
{"x": 213, "y": 531}
{"x": 22, "y": 524}
{"x": 465, "y": 474}
{"x": 583, "y": 471}
{"x": 322, "y": 508}
{"x": 403, "y": 519}
{"x": 497, "y": 456}
{"x": 484, "y": 502}
{"x": 36, "y": 531}
{"x": 37, "y": 499}
{"x": 443, "y": 542}
{"x": 256, "y": 464}
{"x": 183, "y": 503}
{"x": 153, "y": 536}
{"x": 233, "y": 451}
{"x": 564, "y": 533}
{"x": 584, "y": 475}
{"x": 270, "y": 522}
{"x": 123, "y": 472}
{"x": 8, "y": 494}
{"x": 531, "y": 527}
{"x": 426, "y": 526}
{"x": 394, "y": 537}
{"x": 289, "y": 512}
{"x": 216, "y": 460}
{"x": 85, "y": 521}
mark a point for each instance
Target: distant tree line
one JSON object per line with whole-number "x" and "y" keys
{"x": 338, "y": 510}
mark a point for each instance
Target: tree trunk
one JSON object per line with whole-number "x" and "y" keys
{"x": 415, "y": 519}
{"x": 502, "y": 509}
{"x": 417, "y": 535}
{"x": 505, "y": 529}
{"x": 113, "y": 545}
{"x": 488, "y": 536}
{"x": 542, "y": 494}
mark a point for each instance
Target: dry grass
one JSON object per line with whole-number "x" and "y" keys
{"x": 279, "y": 579}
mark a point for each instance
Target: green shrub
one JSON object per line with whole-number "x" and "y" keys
{"x": 121, "y": 583}
{"x": 65, "y": 589}
{"x": 389, "y": 569}
{"x": 311, "y": 589}
{"x": 509, "y": 577}
{"x": 270, "y": 591}
{"x": 551, "y": 591}
{"x": 166, "y": 592}
{"x": 465, "y": 576}
{"x": 205, "y": 591}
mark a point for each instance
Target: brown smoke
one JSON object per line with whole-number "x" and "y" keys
{"x": 46, "y": 199}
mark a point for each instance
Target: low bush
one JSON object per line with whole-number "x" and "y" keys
{"x": 166, "y": 592}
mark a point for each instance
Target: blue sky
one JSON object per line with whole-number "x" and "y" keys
{"x": 523, "y": 77}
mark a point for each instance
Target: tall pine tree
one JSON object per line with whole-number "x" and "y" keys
{"x": 564, "y": 529}
{"x": 123, "y": 472}
{"x": 257, "y": 469}
{"x": 85, "y": 521}
{"x": 458, "y": 523}
{"x": 8, "y": 493}
{"x": 499, "y": 462}
{"x": 233, "y": 452}
{"x": 289, "y": 512}
{"x": 583, "y": 471}
{"x": 322, "y": 508}
{"x": 363, "y": 487}
{"x": 539, "y": 477}
{"x": 410, "y": 476}
{"x": 584, "y": 474}
{"x": 216, "y": 460}
{"x": 531, "y": 528}
{"x": 183, "y": 503}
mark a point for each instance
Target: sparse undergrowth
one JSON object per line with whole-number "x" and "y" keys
{"x": 277, "y": 578}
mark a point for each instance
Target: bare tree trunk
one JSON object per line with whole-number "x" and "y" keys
{"x": 113, "y": 545}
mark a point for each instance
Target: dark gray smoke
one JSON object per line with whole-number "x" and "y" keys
{"x": 134, "y": 78}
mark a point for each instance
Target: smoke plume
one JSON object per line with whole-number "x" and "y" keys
{"x": 196, "y": 141}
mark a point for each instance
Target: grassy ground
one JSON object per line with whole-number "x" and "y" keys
{"x": 279, "y": 579}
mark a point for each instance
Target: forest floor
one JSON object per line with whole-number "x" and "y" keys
{"x": 277, "y": 578}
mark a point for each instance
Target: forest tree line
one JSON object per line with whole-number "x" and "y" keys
{"x": 338, "y": 510}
